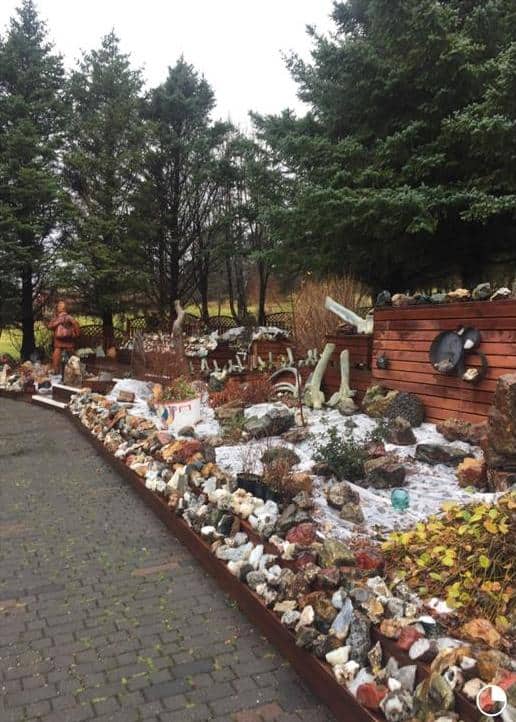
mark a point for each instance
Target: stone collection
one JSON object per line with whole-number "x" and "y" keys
{"x": 326, "y": 592}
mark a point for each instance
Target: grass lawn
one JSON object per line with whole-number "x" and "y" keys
{"x": 10, "y": 339}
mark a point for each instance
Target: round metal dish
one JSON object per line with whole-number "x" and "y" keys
{"x": 446, "y": 352}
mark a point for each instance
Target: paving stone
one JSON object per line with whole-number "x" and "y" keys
{"x": 83, "y": 636}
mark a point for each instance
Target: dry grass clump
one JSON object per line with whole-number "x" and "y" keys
{"x": 311, "y": 320}
{"x": 256, "y": 390}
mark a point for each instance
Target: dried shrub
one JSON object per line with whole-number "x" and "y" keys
{"x": 279, "y": 477}
{"x": 256, "y": 390}
{"x": 466, "y": 557}
{"x": 311, "y": 320}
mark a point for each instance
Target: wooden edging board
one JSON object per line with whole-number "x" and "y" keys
{"x": 315, "y": 673}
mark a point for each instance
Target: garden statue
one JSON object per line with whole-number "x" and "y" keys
{"x": 66, "y": 330}
{"x": 363, "y": 325}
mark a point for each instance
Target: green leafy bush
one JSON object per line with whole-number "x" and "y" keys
{"x": 343, "y": 454}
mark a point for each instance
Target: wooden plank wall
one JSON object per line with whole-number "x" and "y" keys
{"x": 404, "y": 335}
{"x": 360, "y": 351}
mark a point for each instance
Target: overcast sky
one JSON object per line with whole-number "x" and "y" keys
{"x": 236, "y": 44}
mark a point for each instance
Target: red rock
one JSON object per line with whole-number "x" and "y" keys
{"x": 303, "y": 534}
{"x": 472, "y": 472}
{"x": 407, "y": 638}
{"x": 368, "y": 560}
{"x": 370, "y": 695}
{"x": 459, "y": 430}
{"x": 329, "y": 577}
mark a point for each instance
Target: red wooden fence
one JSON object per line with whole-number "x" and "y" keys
{"x": 404, "y": 335}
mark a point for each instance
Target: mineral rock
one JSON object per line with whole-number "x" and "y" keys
{"x": 423, "y": 650}
{"x": 303, "y": 534}
{"x": 440, "y": 454}
{"x": 341, "y": 493}
{"x": 359, "y": 639}
{"x": 305, "y": 637}
{"x": 472, "y": 472}
{"x": 370, "y": 695}
{"x": 303, "y": 500}
{"x": 384, "y": 298}
{"x": 335, "y": 553}
{"x": 406, "y": 676}
{"x": 377, "y": 400}
{"x": 384, "y": 473}
{"x": 290, "y": 618}
{"x": 352, "y": 513}
{"x": 338, "y": 656}
{"x": 407, "y": 638}
{"x": 482, "y": 292}
{"x": 480, "y": 630}
{"x": 400, "y": 299}
{"x": 501, "y": 294}
{"x": 435, "y": 694}
{"x": 375, "y": 658}
{"x": 460, "y": 294}
{"x": 328, "y": 578}
{"x": 370, "y": 560}
{"x": 400, "y": 432}
{"x": 489, "y": 662}
{"x": 297, "y": 435}
{"x": 455, "y": 678}
{"x": 398, "y": 706}
{"x": 291, "y": 516}
{"x": 438, "y": 298}
{"x": 341, "y": 624}
{"x": 408, "y": 406}
{"x": 275, "y": 422}
{"x": 324, "y": 610}
{"x": 306, "y": 618}
{"x": 459, "y": 430}
{"x": 472, "y": 688}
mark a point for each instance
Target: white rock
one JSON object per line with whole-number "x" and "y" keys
{"x": 473, "y": 687}
{"x": 255, "y": 556}
{"x": 306, "y": 618}
{"x": 338, "y": 656}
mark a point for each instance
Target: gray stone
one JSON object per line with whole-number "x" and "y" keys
{"x": 482, "y": 292}
{"x": 341, "y": 624}
{"x": 384, "y": 473}
{"x": 400, "y": 432}
{"x": 440, "y": 454}
{"x": 359, "y": 638}
{"x": 341, "y": 493}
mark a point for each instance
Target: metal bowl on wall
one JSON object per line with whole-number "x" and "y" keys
{"x": 447, "y": 352}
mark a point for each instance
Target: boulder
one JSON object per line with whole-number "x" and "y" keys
{"x": 408, "y": 406}
{"x": 460, "y": 294}
{"x": 370, "y": 695}
{"x": 275, "y": 422}
{"x": 472, "y": 472}
{"x": 440, "y": 454}
{"x": 400, "y": 432}
{"x": 480, "y": 630}
{"x": 352, "y": 512}
{"x": 502, "y": 417}
{"x": 303, "y": 534}
{"x": 384, "y": 473}
{"x": 341, "y": 493}
{"x": 500, "y": 481}
{"x": 459, "y": 430}
{"x": 335, "y": 553}
{"x": 376, "y": 400}
{"x": 501, "y": 294}
{"x": 482, "y": 292}
{"x": 296, "y": 435}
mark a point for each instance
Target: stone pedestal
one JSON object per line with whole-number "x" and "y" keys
{"x": 500, "y": 450}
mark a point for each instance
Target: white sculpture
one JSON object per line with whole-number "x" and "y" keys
{"x": 343, "y": 398}
{"x": 363, "y": 325}
{"x": 313, "y": 396}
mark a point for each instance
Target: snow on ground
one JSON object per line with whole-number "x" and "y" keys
{"x": 428, "y": 486}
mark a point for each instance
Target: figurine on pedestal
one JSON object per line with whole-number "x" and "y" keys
{"x": 66, "y": 330}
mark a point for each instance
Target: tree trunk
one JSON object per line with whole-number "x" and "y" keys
{"x": 262, "y": 292}
{"x": 241, "y": 290}
{"x": 107, "y": 328}
{"x": 28, "y": 338}
{"x": 203, "y": 291}
{"x": 231, "y": 296}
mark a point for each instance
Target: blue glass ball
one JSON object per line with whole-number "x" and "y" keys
{"x": 400, "y": 499}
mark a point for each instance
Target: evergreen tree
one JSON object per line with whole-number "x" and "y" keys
{"x": 103, "y": 164}
{"x": 405, "y": 162}
{"x": 177, "y": 204}
{"x": 32, "y": 116}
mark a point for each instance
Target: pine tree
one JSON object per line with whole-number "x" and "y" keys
{"x": 103, "y": 162}
{"x": 32, "y": 117}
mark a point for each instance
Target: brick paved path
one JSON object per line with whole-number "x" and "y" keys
{"x": 103, "y": 615}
